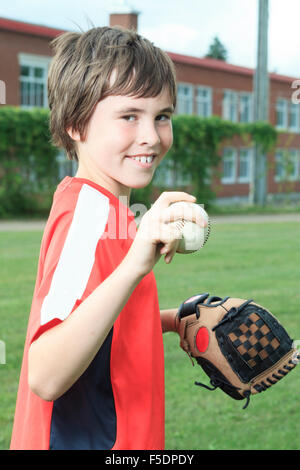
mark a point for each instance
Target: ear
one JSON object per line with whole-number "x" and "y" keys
{"x": 75, "y": 135}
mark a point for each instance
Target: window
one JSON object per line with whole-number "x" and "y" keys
{"x": 33, "y": 80}
{"x": 229, "y": 165}
{"x": 245, "y": 165}
{"x": 279, "y": 166}
{"x": 66, "y": 167}
{"x": 287, "y": 115}
{"x": 230, "y": 105}
{"x": 287, "y": 165}
{"x": 237, "y": 107}
{"x": 281, "y": 113}
{"x": 237, "y": 165}
{"x": 163, "y": 175}
{"x": 294, "y": 117}
{"x": 185, "y": 104}
{"x": 203, "y": 101}
{"x": 169, "y": 174}
{"x": 292, "y": 166}
{"x": 245, "y": 107}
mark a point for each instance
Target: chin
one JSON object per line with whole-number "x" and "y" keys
{"x": 140, "y": 185}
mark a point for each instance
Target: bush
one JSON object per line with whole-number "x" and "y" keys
{"x": 196, "y": 147}
{"x": 28, "y": 164}
{"x": 29, "y": 167}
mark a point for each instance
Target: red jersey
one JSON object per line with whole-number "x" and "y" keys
{"x": 118, "y": 402}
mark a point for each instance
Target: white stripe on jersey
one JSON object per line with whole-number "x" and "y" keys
{"x": 78, "y": 254}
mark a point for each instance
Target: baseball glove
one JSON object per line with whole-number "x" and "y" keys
{"x": 239, "y": 344}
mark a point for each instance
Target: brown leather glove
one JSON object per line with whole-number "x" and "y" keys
{"x": 239, "y": 344}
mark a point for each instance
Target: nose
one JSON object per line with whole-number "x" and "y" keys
{"x": 148, "y": 134}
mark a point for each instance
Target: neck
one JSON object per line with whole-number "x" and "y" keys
{"x": 117, "y": 189}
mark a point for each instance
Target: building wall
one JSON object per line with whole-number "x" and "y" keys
{"x": 220, "y": 80}
{"x": 214, "y": 74}
{"x": 11, "y": 44}
{"x": 216, "y": 79}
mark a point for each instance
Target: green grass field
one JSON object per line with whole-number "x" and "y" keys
{"x": 259, "y": 261}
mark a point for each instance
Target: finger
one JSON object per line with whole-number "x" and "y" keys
{"x": 184, "y": 345}
{"x": 169, "y": 256}
{"x": 184, "y": 211}
{"x": 168, "y": 197}
{"x": 169, "y": 235}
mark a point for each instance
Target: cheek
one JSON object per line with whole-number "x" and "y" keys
{"x": 124, "y": 134}
{"x": 167, "y": 138}
{"x": 111, "y": 141}
{"x": 120, "y": 138}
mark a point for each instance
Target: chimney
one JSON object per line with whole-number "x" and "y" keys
{"x": 123, "y": 15}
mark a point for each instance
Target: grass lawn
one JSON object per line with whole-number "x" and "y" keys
{"x": 259, "y": 261}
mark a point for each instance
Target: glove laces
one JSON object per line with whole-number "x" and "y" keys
{"x": 232, "y": 313}
{"x": 216, "y": 382}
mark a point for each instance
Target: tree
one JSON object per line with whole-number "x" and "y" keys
{"x": 217, "y": 50}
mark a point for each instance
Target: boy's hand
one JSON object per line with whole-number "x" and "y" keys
{"x": 155, "y": 236}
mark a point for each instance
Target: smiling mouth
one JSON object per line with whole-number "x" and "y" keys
{"x": 144, "y": 160}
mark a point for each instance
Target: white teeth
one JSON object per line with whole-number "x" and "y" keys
{"x": 144, "y": 159}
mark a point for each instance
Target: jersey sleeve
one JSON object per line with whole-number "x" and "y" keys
{"x": 66, "y": 260}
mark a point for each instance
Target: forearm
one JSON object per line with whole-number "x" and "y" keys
{"x": 61, "y": 355}
{"x": 168, "y": 319}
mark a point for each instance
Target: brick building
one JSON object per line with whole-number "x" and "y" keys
{"x": 205, "y": 87}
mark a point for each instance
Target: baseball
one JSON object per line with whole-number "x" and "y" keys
{"x": 193, "y": 237}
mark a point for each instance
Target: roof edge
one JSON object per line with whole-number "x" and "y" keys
{"x": 29, "y": 28}
{"x": 215, "y": 64}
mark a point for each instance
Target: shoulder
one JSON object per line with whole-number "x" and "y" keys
{"x": 83, "y": 200}
{"x": 76, "y": 222}
{"x": 78, "y": 207}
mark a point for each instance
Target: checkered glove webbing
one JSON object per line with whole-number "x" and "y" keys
{"x": 239, "y": 344}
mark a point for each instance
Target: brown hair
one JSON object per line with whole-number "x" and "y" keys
{"x": 80, "y": 72}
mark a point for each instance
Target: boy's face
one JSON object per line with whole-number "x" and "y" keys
{"x": 126, "y": 139}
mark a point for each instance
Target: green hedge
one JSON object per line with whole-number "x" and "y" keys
{"x": 28, "y": 164}
{"x": 196, "y": 148}
{"x": 29, "y": 168}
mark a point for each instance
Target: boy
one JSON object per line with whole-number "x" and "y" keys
{"x": 93, "y": 373}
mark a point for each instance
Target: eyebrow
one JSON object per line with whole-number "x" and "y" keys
{"x": 138, "y": 110}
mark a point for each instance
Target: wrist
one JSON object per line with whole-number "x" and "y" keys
{"x": 132, "y": 269}
{"x": 168, "y": 320}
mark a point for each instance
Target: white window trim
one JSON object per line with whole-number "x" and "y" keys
{"x": 295, "y": 128}
{"x": 232, "y": 179}
{"x": 246, "y": 179}
{"x": 285, "y": 114}
{"x": 250, "y": 96}
{"x": 296, "y": 157}
{"x": 33, "y": 60}
{"x": 191, "y": 97}
{"x": 234, "y": 94}
{"x": 199, "y": 100}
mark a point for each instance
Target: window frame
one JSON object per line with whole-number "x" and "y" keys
{"x": 231, "y": 102}
{"x": 248, "y": 155}
{"x": 282, "y": 108}
{"x": 185, "y": 99}
{"x": 204, "y": 100}
{"x": 232, "y": 179}
{"x": 33, "y": 62}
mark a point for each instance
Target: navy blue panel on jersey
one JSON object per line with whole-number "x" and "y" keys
{"x": 84, "y": 418}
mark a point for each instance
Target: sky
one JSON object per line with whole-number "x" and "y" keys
{"x": 184, "y": 26}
